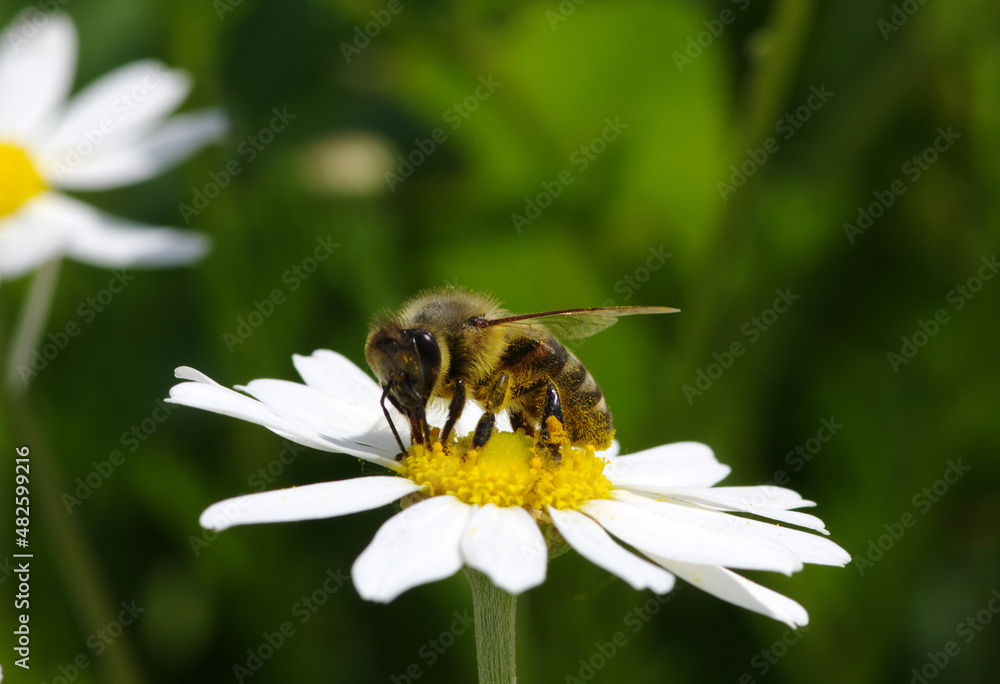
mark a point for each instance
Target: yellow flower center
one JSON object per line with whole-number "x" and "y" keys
{"x": 19, "y": 181}
{"x": 512, "y": 469}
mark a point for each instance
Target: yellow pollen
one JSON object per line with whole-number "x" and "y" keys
{"x": 512, "y": 469}
{"x": 19, "y": 181}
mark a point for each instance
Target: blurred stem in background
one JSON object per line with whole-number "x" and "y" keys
{"x": 774, "y": 60}
{"x": 68, "y": 548}
{"x": 31, "y": 325}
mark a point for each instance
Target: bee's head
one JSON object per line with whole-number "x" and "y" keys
{"x": 407, "y": 363}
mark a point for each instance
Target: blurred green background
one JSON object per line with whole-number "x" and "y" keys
{"x": 809, "y": 111}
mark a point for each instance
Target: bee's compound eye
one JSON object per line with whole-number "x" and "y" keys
{"x": 427, "y": 350}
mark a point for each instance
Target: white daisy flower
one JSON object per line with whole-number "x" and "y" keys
{"x": 488, "y": 511}
{"x": 114, "y": 133}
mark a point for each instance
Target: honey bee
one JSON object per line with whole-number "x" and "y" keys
{"x": 453, "y": 344}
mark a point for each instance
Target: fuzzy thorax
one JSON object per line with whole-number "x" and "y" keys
{"x": 512, "y": 469}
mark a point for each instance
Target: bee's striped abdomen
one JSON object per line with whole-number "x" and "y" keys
{"x": 588, "y": 420}
{"x": 532, "y": 363}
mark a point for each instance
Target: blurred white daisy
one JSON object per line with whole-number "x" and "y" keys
{"x": 493, "y": 510}
{"x": 114, "y": 133}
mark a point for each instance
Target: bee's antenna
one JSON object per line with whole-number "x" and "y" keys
{"x": 385, "y": 393}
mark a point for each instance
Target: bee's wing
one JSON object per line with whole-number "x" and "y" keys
{"x": 571, "y": 324}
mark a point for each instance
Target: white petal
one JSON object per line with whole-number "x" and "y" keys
{"x": 114, "y": 111}
{"x": 437, "y": 414}
{"x": 765, "y": 501}
{"x": 145, "y": 158}
{"x": 36, "y": 70}
{"x": 189, "y": 373}
{"x": 506, "y": 545}
{"x": 344, "y": 423}
{"x": 418, "y": 545}
{"x": 691, "y": 541}
{"x": 208, "y": 395}
{"x": 738, "y": 590}
{"x": 759, "y": 496}
{"x": 593, "y": 543}
{"x": 28, "y": 240}
{"x": 806, "y": 547}
{"x": 309, "y": 502}
{"x": 684, "y": 464}
{"x": 335, "y": 374}
{"x": 103, "y": 240}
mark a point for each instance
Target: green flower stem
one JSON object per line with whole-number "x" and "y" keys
{"x": 31, "y": 324}
{"x": 495, "y": 612}
{"x": 69, "y": 549}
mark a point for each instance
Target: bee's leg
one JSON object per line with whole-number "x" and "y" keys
{"x": 496, "y": 399}
{"x": 454, "y": 410}
{"x": 552, "y": 408}
{"x": 519, "y": 421}
{"x": 418, "y": 424}
{"x": 484, "y": 428}
{"x": 420, "y": 429}
{"x": 386, "y": 395}
{"x": 422, "y": 419}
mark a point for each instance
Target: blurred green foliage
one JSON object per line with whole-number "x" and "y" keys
{"x": 563, "y": 70}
